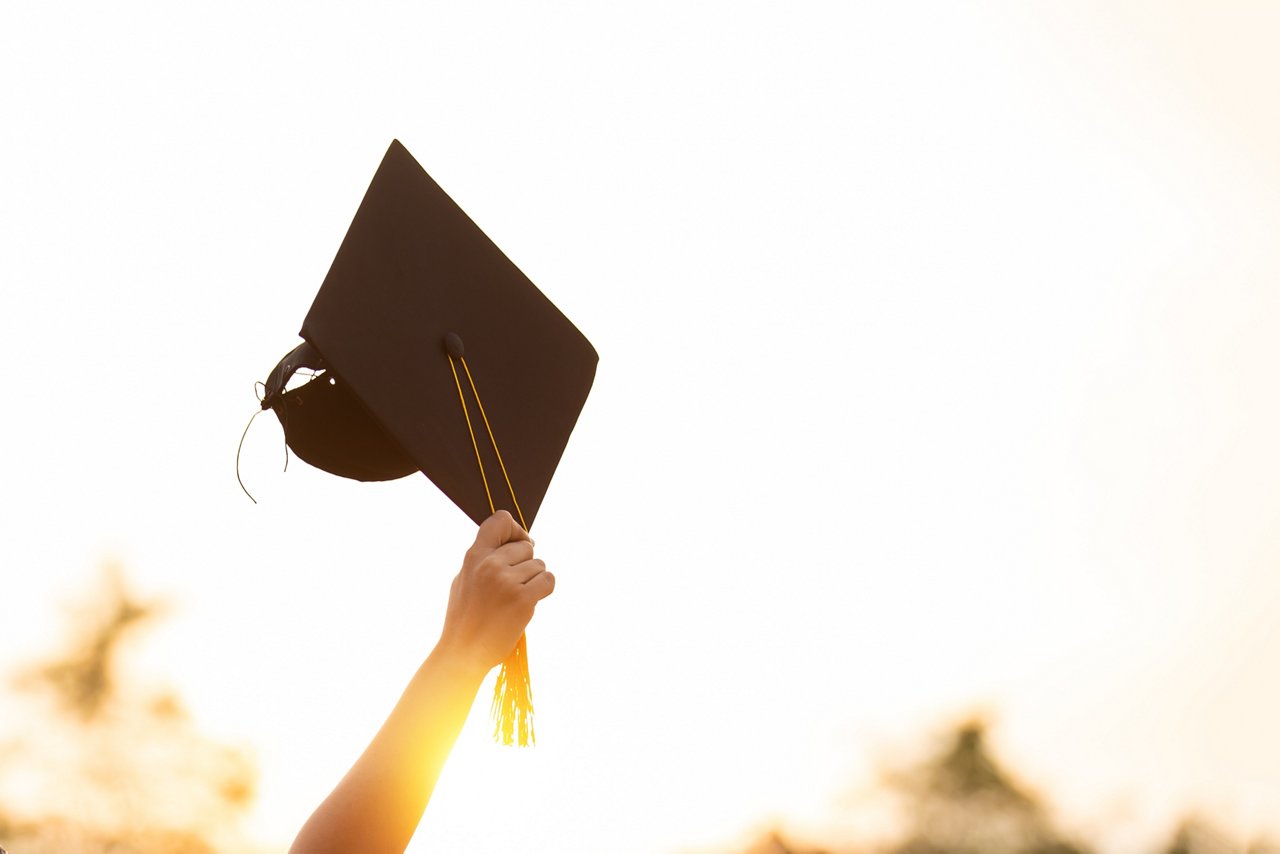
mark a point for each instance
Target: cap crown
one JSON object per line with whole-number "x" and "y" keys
{"x": 413, "y": 271}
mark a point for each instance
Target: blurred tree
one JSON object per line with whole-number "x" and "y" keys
{"x": 1196, "y": 835}
{"x": 958, "y": 801}
{"x": 962, "y": 802}
{"x": 773, "y": 843}
{"x": 103, "y": 767}
{"x": 83, "y": 681}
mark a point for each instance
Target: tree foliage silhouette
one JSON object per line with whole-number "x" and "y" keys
{"x": 103, "y": 766}
{"x": 963, "y": 802}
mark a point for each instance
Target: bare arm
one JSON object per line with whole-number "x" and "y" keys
{"x": 377, "y": 805}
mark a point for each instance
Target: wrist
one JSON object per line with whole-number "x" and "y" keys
{"x": 459, "y": 662}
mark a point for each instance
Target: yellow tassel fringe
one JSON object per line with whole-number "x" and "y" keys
{"x": 512, "y": 708}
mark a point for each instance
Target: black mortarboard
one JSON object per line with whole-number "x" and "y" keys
{"x": 432, "y": 352}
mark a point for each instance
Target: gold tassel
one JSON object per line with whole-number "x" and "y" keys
{"x": 512, "y": 708}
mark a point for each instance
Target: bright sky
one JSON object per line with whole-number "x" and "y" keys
{"x": 937, "y": 374}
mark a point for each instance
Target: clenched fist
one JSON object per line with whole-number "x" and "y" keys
{"x": 494, "y": 594}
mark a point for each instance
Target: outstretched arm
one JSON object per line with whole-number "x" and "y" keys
{"x": 377, "y": 805}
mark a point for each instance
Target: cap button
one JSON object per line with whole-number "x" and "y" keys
{"x": 453, "y": 344}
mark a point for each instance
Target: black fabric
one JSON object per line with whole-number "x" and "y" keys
{"x": 413, "y": 270}
{"x": 327, "y": 426}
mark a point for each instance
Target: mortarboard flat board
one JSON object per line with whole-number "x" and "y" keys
{"x": 433, "y": 352}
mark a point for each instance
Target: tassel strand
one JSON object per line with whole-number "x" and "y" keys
{"x": 512, "y": 708}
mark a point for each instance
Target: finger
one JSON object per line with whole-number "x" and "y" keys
{"x": 517, "y": 551}
{"x": 540, "y": 585}
{"x": 522, "y": 572}
{"x": 498, "y": 529}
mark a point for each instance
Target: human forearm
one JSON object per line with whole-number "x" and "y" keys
{"x": 377, "y": 805}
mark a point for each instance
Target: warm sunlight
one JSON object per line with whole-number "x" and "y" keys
{"x": 930, "y": 462}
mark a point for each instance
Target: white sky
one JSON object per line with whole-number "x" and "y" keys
{"x": 937, "y": 374}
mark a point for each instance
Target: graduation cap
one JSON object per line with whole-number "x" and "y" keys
{"x": 429, "y": 350}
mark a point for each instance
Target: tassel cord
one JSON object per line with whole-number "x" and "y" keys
{"x": 512, "y": 706}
